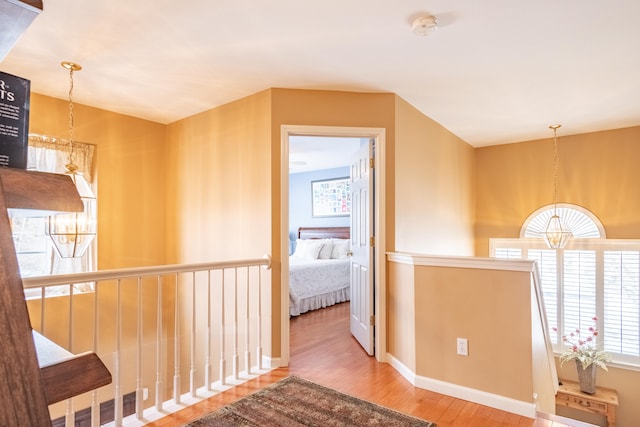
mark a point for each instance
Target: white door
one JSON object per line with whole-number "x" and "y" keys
{"x": 361, "y": 318}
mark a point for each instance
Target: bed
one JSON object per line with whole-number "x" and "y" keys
{"x": 319, "y": 269}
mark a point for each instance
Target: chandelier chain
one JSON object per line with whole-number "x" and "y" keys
{"x": 555, "y": 167}
{"x": 71, "y": 153}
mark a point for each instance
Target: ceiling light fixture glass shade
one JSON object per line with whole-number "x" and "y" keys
{"x": 72, "y": 233}
{"x": 557, "y": 234}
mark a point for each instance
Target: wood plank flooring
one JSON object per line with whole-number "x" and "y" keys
{"x": 323, "y": 351}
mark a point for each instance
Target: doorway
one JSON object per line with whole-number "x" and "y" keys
{"x": 379, "y": 263}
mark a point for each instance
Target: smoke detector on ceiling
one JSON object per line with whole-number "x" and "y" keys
{"x": 425, "y": 25}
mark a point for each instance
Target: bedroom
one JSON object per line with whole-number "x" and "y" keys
{"x": 315, "y": 164}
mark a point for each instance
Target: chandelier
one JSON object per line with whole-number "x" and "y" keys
{"x": 72, "y": 233}
{"x": 557, "y": 234}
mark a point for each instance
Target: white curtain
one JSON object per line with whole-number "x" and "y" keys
{"x": 47, "y": 154}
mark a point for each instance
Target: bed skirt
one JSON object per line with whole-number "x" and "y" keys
{"x": 319, "y": 301}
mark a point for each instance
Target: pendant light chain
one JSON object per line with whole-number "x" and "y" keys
{"x": 557, "y": 234}
{"x": 71, "y": 66}
{"x": 73, "y": 233}
{"x": 555, "y": 167}
{"x": 71, "y": 158}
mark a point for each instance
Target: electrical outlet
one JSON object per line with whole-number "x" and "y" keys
{"x": 463, "y": 347}
{"x": 145, "y": 393}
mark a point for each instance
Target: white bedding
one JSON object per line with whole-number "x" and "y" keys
{"x": 317, "y": 283}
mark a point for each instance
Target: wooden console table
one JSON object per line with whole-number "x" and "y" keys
{"x": 604, "y": 401}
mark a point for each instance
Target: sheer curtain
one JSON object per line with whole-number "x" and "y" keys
{"x": 47, "y": 154}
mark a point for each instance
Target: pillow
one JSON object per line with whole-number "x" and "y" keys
{"x": 308, "y": 248}
{"x": 327, "y": 248}
{"x": 340, "y": 248}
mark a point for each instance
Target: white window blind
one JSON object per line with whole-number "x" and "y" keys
{"x": 589, "y": 278}
{"x": 621, "y": 308}
{"x": 579, "y": 290}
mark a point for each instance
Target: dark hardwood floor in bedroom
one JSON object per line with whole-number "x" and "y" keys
{"x": 323, "y": 351}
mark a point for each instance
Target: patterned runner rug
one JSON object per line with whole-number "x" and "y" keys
{"x": 298, "y": 402}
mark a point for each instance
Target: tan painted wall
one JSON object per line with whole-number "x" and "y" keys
{"x": 489, "y": 308}
{"x": 131, "y": 174}
{"x": 434, "y": 182}
{"x": 401, "y": 314}
{"x": 131, "y": 164}
{"x": 219, "y": 183}
{"x": 598, "y": 171}
{"x": 219, "y": 203}
{"x": 493, "y": 304}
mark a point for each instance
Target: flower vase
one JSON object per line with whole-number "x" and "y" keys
{"x": 587, "y": 377}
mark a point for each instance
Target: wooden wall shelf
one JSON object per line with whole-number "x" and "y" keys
{"x": 26, "y": 390}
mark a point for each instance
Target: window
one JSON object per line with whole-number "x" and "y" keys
{"x": 591, "y": 277}
{"x": 35, "y": 252}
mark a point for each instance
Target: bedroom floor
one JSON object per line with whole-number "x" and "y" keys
{"x": 323, "y": 351}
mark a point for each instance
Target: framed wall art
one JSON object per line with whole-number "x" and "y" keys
{"x": 331, "y": 197}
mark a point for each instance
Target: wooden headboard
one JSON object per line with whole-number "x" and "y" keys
{"x": 323, "y": 232}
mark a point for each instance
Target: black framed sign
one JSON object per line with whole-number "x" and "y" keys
{"x": 331, "y": 197}
{"x": 14, "y": 120}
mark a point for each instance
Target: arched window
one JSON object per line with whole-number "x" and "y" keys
{"x": 591, "y": 277}
{"x": 582, "y": 223}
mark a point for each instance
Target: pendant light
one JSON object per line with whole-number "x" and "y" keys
{"x": 557, "y": 234}
{"x": 73, "y": 233}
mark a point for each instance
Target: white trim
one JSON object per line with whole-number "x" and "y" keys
{"x": 379, "y": 135}
{"x": 271, "y": 362}
{"x": 462, "y": 262}
{"x": 525, "y": 409}
{"x": 402, "y": 369}
{"x": 519, "y": 407}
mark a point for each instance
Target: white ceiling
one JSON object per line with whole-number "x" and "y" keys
{"x": 496, "y": 71}
{"x": 310, "y": 153}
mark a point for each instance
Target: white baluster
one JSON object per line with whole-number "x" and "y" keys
{"x": 259, "y": 316}
{"x": 140, "y": 356}
{"x": 207, "y": 347}
{"x": 118, "y": 359}
{"x": 159, "y": 393}
{"x": 176, "y": 345}
{"x": 95, "y": 404}
{"x": 70, "y": 416}
{"x": 223, "y": 361}
{"x": 192, "y": 371}
{"x": 247, "y": 324}
{"x": 236, "y": 374}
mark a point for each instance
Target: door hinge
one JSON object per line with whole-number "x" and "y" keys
{"x": 372, "y": 320}
{"x": 372, "y": 241}
{"x": 372, "y": 163}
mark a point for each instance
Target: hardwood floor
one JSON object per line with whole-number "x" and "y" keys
{"x": 323, "y": 351}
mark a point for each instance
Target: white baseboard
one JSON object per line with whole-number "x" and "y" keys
{"x": 271, "y": 362}
{"x": 525, "y": 409}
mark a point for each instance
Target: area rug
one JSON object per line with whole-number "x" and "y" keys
{"x": 294, "y": 401}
